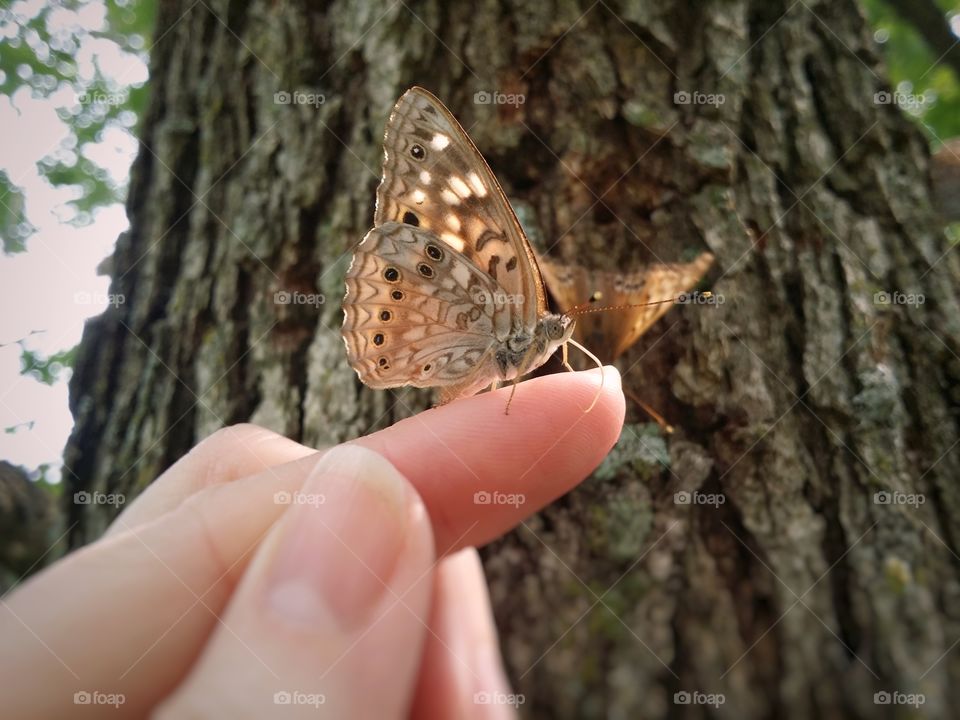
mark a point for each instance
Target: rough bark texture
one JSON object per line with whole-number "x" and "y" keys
{"x": 29, "y": 526}
{"x": 796, "y": 400}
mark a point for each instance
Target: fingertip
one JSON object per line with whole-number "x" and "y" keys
{"x": 481, "y": 469}
{"x": 591, "y": 401}
{"x": 606, "y": 382}
{"x": 338, "y": 589}
{"x": 612, "y": 407}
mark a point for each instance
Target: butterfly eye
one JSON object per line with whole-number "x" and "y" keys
{"x": 385, "y": 315}
{"x": 378, "y": 339}
{"x": 418, "y": 152}
{"x": 553, "y": 329}
{"x": 397, "y": 295}
{"x": 411, "y": 219}
{"x": 425, "y": 270}
{"x": 391, "y": 274}
{"x": 434, "y": 252}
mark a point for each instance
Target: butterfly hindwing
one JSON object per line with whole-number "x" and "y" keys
{"x": 436, "y": 179}
{"x": 417, "y": 313}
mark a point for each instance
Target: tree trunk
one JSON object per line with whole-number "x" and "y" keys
{"x": 785, "y": 583}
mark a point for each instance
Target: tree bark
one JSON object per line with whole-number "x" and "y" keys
{"x": 794, "y": 401}
{"x": 29, "y": 526}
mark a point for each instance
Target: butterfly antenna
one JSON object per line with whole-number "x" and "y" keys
{"x": 592, "y": 299}
{"x": 584, "y": 308}
{"x": 593, "y": 357}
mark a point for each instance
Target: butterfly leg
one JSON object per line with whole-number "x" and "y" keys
{"x": 657, "y": 417}
{"x": 566, "y": 359}
{"x": 513, "y": 390}
{"x": 524, "y": 368}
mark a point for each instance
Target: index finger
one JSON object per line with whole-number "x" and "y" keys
{"x": 480, "y": 471}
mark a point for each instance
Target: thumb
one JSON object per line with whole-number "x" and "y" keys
{"x": 332, "y": 611}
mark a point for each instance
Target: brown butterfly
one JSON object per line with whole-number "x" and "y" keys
{"x": 444, "y": 291}
{"x": 630, "y": 294}
{"x": 636, "y": 297}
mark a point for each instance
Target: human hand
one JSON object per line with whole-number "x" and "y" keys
{"x": 209, "y": 596}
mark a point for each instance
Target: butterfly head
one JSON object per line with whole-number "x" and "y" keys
{"x": 557, "y": 328}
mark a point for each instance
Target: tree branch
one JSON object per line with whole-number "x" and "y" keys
{"x": 930, "y": 21}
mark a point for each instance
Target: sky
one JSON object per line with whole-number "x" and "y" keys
{"x": 47, "y": 292}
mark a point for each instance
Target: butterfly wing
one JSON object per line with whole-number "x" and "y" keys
{"x": 614, "y": 331}
{"x": 435, "y": 178}
{"x": 417, "y": 313}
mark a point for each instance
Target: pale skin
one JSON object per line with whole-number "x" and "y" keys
{"x": 208, "y": 595}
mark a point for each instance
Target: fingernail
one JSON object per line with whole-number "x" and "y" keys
{"x": 611, "y": 376}
{"x": 341, "y": 540}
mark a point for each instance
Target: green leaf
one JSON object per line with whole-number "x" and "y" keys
{"x": 46, "y": 369}
{"x": 910, "y": 60}
{"x": 14, "y": 228}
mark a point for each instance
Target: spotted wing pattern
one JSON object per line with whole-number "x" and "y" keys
{"x": 418, "y": 313}
{"x": 435, "y": 178}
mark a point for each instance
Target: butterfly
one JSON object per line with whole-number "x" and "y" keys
{"x": 633, "y": 294}
{"x": 444, "y": 291}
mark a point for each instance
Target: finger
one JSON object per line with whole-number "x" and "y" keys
{"x": 333, "y": 609}
{"x": 230, "y": 453}
{"x": 480, "y": 471}
{"x": 461, "y": 674}
{"x": 480, "y": 494}
{"x": 145, "y": 599}
{"x": 148, "y": 597}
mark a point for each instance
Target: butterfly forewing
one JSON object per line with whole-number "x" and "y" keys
{"x": 417, "y": 313}
{"x": 435, "y": 178}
